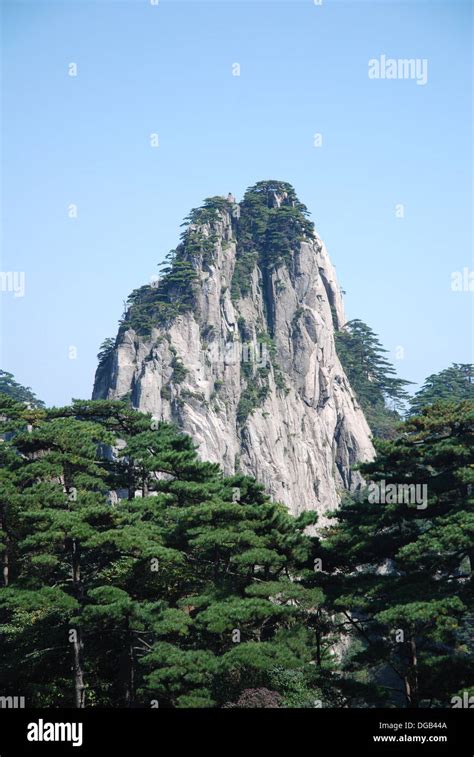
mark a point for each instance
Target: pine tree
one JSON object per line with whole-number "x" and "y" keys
{"x": 105, "y": 350}
{"x": 57, "y": 493}
{"x": 372, "y": 377}
{"x": 401, "y": 567}
{"x": 16, "y": 391}
{"x": 455, "y": 383}
{"x": 187, "y": 590}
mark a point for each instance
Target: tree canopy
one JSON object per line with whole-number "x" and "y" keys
{"x": 400, "y": 566}
{"x": 185, "y": 590}
{"x": 11, "y": 387}
{"x": 373, "y": 378}
{"x": 137, "y": 575}
{"x": 455, "y": 383}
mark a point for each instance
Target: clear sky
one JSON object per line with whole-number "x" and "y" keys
{"x": 168, "y": 69}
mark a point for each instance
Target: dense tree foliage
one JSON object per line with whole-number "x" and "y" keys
{"x": 372, "y": 377}
{"x": 400, "y": 561}
{"x": 187, "y": 590}
{"x": 135, "y": 574}
{"x": 172, "y": 293}
{"x": 105, "y": 351}
{"x": 271, "y": 226}
{"x": 455, "y": 383}
{"x": 13, "y": 389}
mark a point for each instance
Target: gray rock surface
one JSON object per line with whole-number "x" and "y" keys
{"x": 306, "y": 430}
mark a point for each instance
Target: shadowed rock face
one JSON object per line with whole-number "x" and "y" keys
{"x": 241, "y": 355}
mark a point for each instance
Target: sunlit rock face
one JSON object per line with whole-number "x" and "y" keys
{"x": 235, "y": 344}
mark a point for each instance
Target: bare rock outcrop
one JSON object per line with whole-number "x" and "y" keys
{"x": 236, "y": 345}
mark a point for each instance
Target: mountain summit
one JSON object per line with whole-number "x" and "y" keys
{"x": 235, "y": 344}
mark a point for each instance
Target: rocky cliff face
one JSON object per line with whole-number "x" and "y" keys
{"x": 235, "y": 344}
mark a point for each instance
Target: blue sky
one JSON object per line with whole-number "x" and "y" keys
{"x": 167, "y": 69}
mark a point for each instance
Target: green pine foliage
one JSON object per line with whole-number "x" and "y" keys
{"x": 381, "y": 394}
{"x": 268, "y": 233}
{"x": 179, "y": 592}
{"x": 13, "y": 389}
{"x": 179, "y": 371}
{"x": 105, "y": 351}
{"x": 455, "y": 383}
{"x": 209, "y": 212}
{"x": 252, "y": 397}
{"x": 151, "y": 306}
{"x": 400, "y": 570}
{"x": 192, "y": 589}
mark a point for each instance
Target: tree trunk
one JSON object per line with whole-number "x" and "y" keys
{"x": 6, "y": 567}
{"x": 318, "y": 649}
{"x": 144, "y": 483}
{"x": 411, "y": 678}
{"x": 131, "y": 482}
{"x": 79, "y": 687}
{"x": 130, "y": 684}
{"x": 78, "y": 646}
{"x": 5, "y": 560}
{"x": 128, "y": 668}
